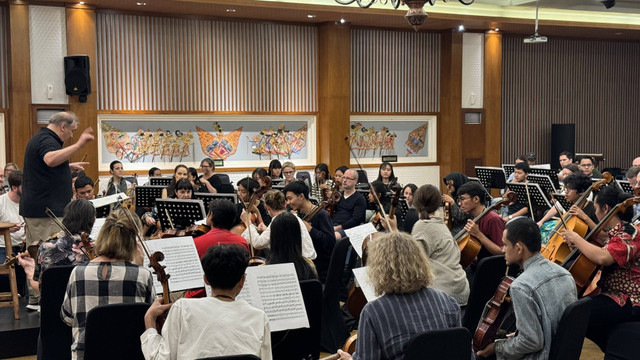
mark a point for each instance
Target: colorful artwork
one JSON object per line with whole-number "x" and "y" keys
{"x": 364, "y": 140}
{"x": 219, "y": 145}
{"x": 165, "y": 144}
{"x": 282, "y": 142}
{"x": 416, "y": 139}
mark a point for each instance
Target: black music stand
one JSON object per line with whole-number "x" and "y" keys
{"x": 103, "y": 211}
{"x": 207, "y": 197}
{"x": 475, "y": 179}
{"x": 402, "y": 203}
{"x": 508, "y": 169}
{"x": 491, "y": 177}
{"x": 105, "y": 204}
{"x": 163, "y": 181}
{"x": 538, "y": 198}
{"x": 279, "y": 187}
{"x": 183, "y": 212}
{"x": 544, "y": 181}
{"x": 146, "y": 195}
{"x": 625, "y": 186}
{"x": 553, "y": 175}
{"x": 562, "y": 199}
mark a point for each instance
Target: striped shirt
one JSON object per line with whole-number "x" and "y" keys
{"x": 387, "y": 324}
{"x": 124, "y": 282}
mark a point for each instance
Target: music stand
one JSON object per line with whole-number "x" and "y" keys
{"x": 183, "y": 212}
{"x": 105, "y": 204}
{"x": 207, "y": 197}
{"x": 146, "y": 195}
{"x": 562, "y": 199}
{"x": 508, "y": 169}
{"x": 402, "y": 203}
{"x": 279, "y": 187}
{"x": 276, "y": 181}
{"x": 538, "y": 198}
{"x": 491, "y": 177}
{"x": 553, "y": 175}
{"x": 163, "y": 181}
{"x": 625, "y": 186}
{"x": 475, "y": 179}
{"x": 544, "y": 181}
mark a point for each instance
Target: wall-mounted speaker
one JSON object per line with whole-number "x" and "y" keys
{"x": 563, "y": 138}
{"x": 76, "y": 76}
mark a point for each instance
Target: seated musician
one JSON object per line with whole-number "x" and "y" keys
{"x": 339, "y": 173}
{"x": 387, "y": 177}
{"x": 489, "y": 229}
{"x": 179, "y": 172}
{"x": 209, "y": 181}
{"x": 117, "y": 183}
{"x": 258, "y": 175}
{"x": 381, "y": 195}
{"x": 274, "y": 202}
{"x": 569, "y": 169}
{"x": 275, "y": 169}
{"x": 588, "y": 167}
{"x": 102, "y": 280}
{"x": 411, "y": 216}
{"x": 322, "y": 180}
{"x": 246, "y": 187}
{"x": 220, "y": 325}
{"x": 438, "y": 244}
{"x": 574, "y": 187}
{"x": 519, "y": 208}
{"x": 565, "y": 158}
{"x": 286, "y": 246}
{"x": 320, "y": 228}
{"x": 636, "y": 161}
{"x": 402, "y": 274}
{"x": 618, "y": 294}
{"x": 351, "y": 209}
{"x": 182, "y": 190}
{"x": 288, "y": 171}
{"x": 62, "y": 249}
{"x": 539, "y": 295}
{"x": 84, "y": 188}
{"x": 458, "y": 217}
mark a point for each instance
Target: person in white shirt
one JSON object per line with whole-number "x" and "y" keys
{"x": 10, "y": 213}
{"x": 218, "y": 325}
{"x": 274, "y": 203}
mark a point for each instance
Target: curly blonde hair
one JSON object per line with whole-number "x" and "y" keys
{"x": 275, "y": 199}
{"x": 398, "y": 265}
{"x": 117, "y": 238}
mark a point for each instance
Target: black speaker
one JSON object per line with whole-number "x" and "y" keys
{"x": 563, "y": 138}
{"x": 76, "y": 76}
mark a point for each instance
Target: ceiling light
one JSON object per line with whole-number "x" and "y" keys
{"x": 231, "y": 10}
{"x": 342, "y": 21}
{"x": 496, "y": 29}
{"x": 310, "y": 16}
{"x": 81, "y": 3}
{"x": 141, "y": 3}
{"x": 460, "y": 28}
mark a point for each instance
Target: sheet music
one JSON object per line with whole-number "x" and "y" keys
{"x": 358, "y": 234}
{"x": 181, "y": 260}
{"x": 365, "y": 285}
{"x": 108, "y": 200}
{"x": 97, "y": 226}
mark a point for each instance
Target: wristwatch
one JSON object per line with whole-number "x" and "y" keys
{"x": 510, "y": 217}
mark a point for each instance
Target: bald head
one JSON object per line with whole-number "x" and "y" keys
{"x": 636, "y": 161}
{"x": 349, "y": 180}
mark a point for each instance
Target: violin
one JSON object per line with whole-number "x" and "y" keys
{"x": 84, "y": 245}
{"x": 252, "y": 206}
{"x": 447, "y": 206}
{"x": 349, "y": 346}
{"x": 470, "y": 246}
{"x": 197, "y": 230}
{"x": 167, "y": 233}
{"x": 14, "y": 259}
{"x": 581, "y": 268}
{"x": 397, "y": 189}
{"x": 496, "y": 310}
{"x": 333, "y": 199}
{"x": 130, "y": 203}
{"x": 556, "y": 249}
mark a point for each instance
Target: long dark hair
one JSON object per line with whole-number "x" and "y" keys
{"x": 171, "y": 189}
{"x": 274, "y": 164}
{"x": 286, "y": 245}
{"x": 392, "y": 176}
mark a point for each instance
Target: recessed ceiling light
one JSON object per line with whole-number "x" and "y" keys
{"x": 141, "y": 3}
{"x": 496, "y": 29}
{"x": 460, "y": 27}
{"x": 81, "y": 3}
{"x": 310, "y": 16}
{"x": 342, "y": 21}
{"x": 231, "y": 10}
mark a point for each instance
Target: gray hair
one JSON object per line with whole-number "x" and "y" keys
{"x": 67, "y": 118}
{"x": 633, "y": 172}
{"x": 13, "y": 165}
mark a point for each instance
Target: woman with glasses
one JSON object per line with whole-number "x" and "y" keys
{"x": 288, "y": 170}
{"x": 209, "y": 182}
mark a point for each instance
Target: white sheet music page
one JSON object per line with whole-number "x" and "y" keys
{"x": 365, "y": 285}
{"x": 358, "y": 234}
{"x": 181, "y": 260}
{"x": 275, "y": 290}
{"x": 97, "y": 226}
{"x": 107, "y": 200}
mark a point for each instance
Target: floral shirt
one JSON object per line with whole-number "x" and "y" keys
{"x": 59, "y": 250}
{"x": 621, "y": 280}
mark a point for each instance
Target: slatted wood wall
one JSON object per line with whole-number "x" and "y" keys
{"x": 394, "y": 71}
{"x": 4, "y": 59}
{"x": 187, "y": 65}
{"x": 593, "y": 84}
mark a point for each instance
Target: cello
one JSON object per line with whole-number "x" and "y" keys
{"x": 496, "y": 310}
{"x": 556, "y": 250}
{"x": 470, "y": 246}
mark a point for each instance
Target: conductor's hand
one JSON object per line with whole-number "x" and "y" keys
{"x": 85, "y": 137}
{"x": 78, "y": 166}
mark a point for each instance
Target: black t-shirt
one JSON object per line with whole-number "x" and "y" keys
{"x": 43, "y": 186}
{"x": 590, "y": 211}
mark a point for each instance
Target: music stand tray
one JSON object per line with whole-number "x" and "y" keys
{"x": 625, "y": 186}
{"x": 508, "y": 169}
{"x": 207, "y": 197}
{"x": 538, "y": 198}
{"x": 104, "y": 204}
{"x": 545, "y": 182}
{"x": 146, "y": 195}
{"x": 562, "y": 199}
{"x": 161, "y": 180}
{"x": 183, "y": 212}
{"x": 491, "y": 177}
{"x": 553, "y": 175}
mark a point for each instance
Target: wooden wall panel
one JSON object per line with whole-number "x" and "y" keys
{"x": 594, "y": 84}
{"x": 171, "y": 64}
{"x": 492, "y": 98}
{"x": 19, "y": 84}
{"x": 4, "y": 57}
{"x": 394, "y": 71}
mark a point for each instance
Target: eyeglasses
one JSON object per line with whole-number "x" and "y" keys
{"x": 586, "y": 165}
{"x": 288, "y": 172}
{"x": 352, "y": 179}
{"x": 461, "y": 199}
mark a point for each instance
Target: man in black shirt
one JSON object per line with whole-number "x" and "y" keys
{"x": 47, "y": 177}
{"x": 351, "y": 209}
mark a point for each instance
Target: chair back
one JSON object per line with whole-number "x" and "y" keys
{"x": 569, "y": 337}
{"x": 55, "y": 337}
{"x": 622, "y": 343}
{"x": 302, "y": 343}
{"x": 450, "y": 344}
{"x": 121, "y": 324}
{"x": 232, "y": 357}
{"x": 362, "y": 177}
{"x": 334, "y": 329}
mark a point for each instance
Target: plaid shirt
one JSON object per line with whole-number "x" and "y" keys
{"x": 125, "y": 282}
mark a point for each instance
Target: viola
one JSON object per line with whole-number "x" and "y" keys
{"x": 556, "y": 249}
{"x": 581, "y": 268}
{"x": 470, "y": 246}
{"x": 447, "y": 206}
{"x": 496, "y": 310}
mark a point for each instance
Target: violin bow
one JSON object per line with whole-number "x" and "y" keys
{"x": 373, "y": 191}
{"x": 64, "y": 228}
